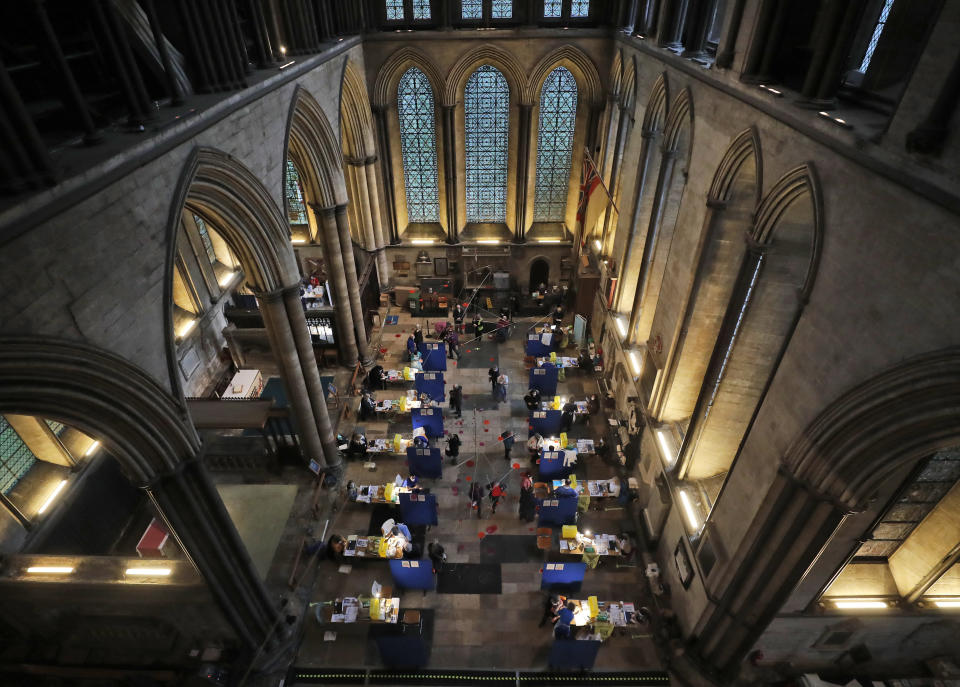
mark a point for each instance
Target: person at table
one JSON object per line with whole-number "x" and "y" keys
{"x": 412, "y": 483}
{"x": 368, "y": 407}
{"x": 411, "y": 347}
{"x": 336, "y": 546}
{"x": 602, "y": 449}
{"x": 553, "y": 604}
{"x": 558, "y": 315}
{"x": 377, "y": 378}
{"x": 561, "y": 626}
{"x": 418, "y": 336}
{"x": 357, "y": 448}
{"x": 458, "y": 315}
{"x": 508, "y": 440}
{"x": 528, "y": 502}
{"x": 453, "y": 447}
{"x": 456, "y": 399}
{"x": 565, "y": 490}
{"x": 420, "y": 441}
{"x": 566, "y": 417}
{"x": 585, "y": 362}
{"x": 593, "y": 405}
{"x": 416, "y": 362}
{"x": 535, "y": 445}
{"x": 386, "y": 529}
{"x": 532, "y": 399}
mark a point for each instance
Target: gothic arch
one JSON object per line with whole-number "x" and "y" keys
{"x": 579, "y": 64}
{"x": 385, "y": 86}
{"x": 628, "y": 93}
{"x": 869, "y": 433}
{"x": 616, "y": 75}
{"x": 356, "y": 119}
{"x": 744, "y": 147}
{"x": 495, "y": 57}
{"x": 101, "y": 394}
{"x": 655, "y": 114}
{"x": 315, "y": 150}
{"x": 681, "y": 114}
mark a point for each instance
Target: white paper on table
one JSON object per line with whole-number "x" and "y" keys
{"x": 329, "y": 636}
{"x": 563, "y": 545}
{"x": 345, "y": 568}
{"x": 547, "y": 338}
{"x": 350, "y": 614}
{"x": 337, "y": 618}
{"x": 375, "y": 589}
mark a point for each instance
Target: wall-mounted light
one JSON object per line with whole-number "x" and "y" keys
{"x": 772, "y": 91}
{"x": 621, "y": 325}
{"x": 53, "y": 494}
{"x": 635, "y": 362}
{"x": 50, "y": 569}
{"x": 228, "y": 279}
{"x": 843, "y": 123}
{"x": 597, "y": 245}
{"x": 549, "y": 240}
{"x": 666, "y": 445}
{"x": 489, "y": 241}
{"x": 186, "y": 328}
{"x": 693, "y": 518}
{"x": 422, "y": 242}
{"x": 860, "y": 604}
{"x": 148, "y": 572}
{"x": 947, "y": 603}
{"x": 298, "y": 241}
{"x": 91, "y": 448}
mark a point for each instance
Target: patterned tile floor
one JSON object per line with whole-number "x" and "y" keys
{"x": 477, "y": 631}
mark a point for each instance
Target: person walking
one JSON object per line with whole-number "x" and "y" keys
{"x": 508, "y": 440}
{"x": 493, "y": 373}
{"x": 453, "y": 447}
{"x": 453, "y": 345}
{"x": 566, "y": 417}
{"x": 437, "y": 556}
{"x": 411, "y": 347}
{"x": 528, "y": 502}
{"x": 458, "y": 314}
{"x": 501, "y": 388}
{"x": 476, "y": 496}
{"x": 418, "y": 336}
{"x": 497, "y": 492}
{"x": 456, "y": 399}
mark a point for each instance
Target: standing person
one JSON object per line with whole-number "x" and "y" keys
{"x": 478, "y": 328}
{"x": 503, "y": 329}
{"x": 453, "y": 345}
{"x": 411, "y": 347}
{"x": 493, "y": 373}
{"x": 508, "y": 440}
{"x": 558, "y": 315}
{"x": 566, "y": 417}
{"x": 501, "y": 388}
{"x": 497, "y": 492}
{"x": 456, "y": 399}
{"x": 476, "y": 496}
{"x": 367, "y": 406}
{"x": 418, "y": 336}
{"x": 458, "y": 314}
{"x": 437, "y": 556}
{"x": 528, "y": 502}
{"x": 534, "y": 445}
{"x": 453, "y": 447}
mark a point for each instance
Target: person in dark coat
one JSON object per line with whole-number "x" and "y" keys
{"x": 458, "y": 315}
{"x": 508, "y": 440}
{"x": 476, "y": 496}
{"x": 528, "y": 502}
{"x": 418, "y": 336}
{"x": 456, "y": 399}
{"x": 532, "y": 399}
{"x": 566, "y": 417}
{"x": 453, "y": 344}
{"x": 497, "y": 492}
{"x": 493, "y": 373}
{"x": 437, "y": 556}
{"x": 367, "y": 407}
{"x": 377, "y": 378}
{"x": 558, "y": 315}
{"x": 411, "y": 347}
{"x": 453, "y": 447}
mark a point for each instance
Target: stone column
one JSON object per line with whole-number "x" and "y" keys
{"x": 834, "y": 33}
{"x": 770, "y": 22}
{"x": 327, "y": 223}
{"x": 311, "y": 375}
{"x": 176, "y": 94}
{"x": 373, "y": 188}
{"x": 646, "y": 155}
{"x": 698, "y": 19}
{"x": 604, "y": 159}
{"x": 383, "y": 141}
{"x": 447, "y": 122}
{"x": 928, "y": 137}
{"x": 624, "y": 124}
{"x": 353, "y": 286}
{"x": 628, "y": 15}
{"x": 523, "y": 168}
{"x": 359, "y": 173}
{"x": 668, "y": 158}
{"x": 670, "y": 25}
{"x": 191, "y": 507}
{"x": 727, "y": 49}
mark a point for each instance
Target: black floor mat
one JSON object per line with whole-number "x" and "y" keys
{"x": 509, "y": 548}
{"x": 479, "y": 356}
{"x": 469, "y": 578}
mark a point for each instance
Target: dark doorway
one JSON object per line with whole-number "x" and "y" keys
{"x": 539, "y": 273}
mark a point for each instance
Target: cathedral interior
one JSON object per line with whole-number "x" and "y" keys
{"x": 458, "y": 341}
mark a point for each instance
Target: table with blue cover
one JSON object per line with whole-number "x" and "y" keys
{"x": 562, "y": 575}
{"x": 434, "y": 356}
{"x": 544, "y": 378}
{"x": 425, "y": 462}
{"x": 431, "y": 419}
{"x": 536, "y": 346}
{"x": 418, "y": 509}
{"x": 557, "y": 511}
{"x": 431, "y": 384}
{"x": 412, "y": 574}
{"x": 546, "y": 423}
{"x": 553, "y": 466}
{"x": 578, "y": 654}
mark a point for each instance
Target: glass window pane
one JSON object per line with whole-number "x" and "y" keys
{"x": 502, "y": 9}
{"x": 418, "y": 144}
{"x": 296, "y": 210}
{"x": 15, "y": 458}
{"x": 486, "y": 105}
{"x": 558, "y": 116}
{"x": 580, "y": 8}
{"x": 875, "y": 38}
{"x": 205, "y": 238}
{"x": 471, "y": 9}
{"x": 551, "y": 8}
{"x": 421, "y": 9}
{"x": 394, "y": 10}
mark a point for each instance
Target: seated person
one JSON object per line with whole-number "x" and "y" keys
{"x": 395, "y": 546}
{"x": 593, "y": 405}
{"x": 565, "y": 490}
{"x": 420, "y": 441}
{"x": 358, "y": 446}
{"x": 368, "y": 406}
{"x": 376, "y": 378}
{"x": 558, "y": 314}
{"x": 336, "y": 545}
{"x": 585, "y": 362}
{"x": 532, "y": 399}
{"x": 561, "y": 627}
{"x": 412, "y": 482}
{"x": 402, "y": 529}
{"x": 352, "y": 491}
{"x": 535, "y": 444}
{"x": 416, "y": 362}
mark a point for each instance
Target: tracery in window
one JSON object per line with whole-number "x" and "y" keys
{"x": 15, "y": 458}
{"x": 418, "y": 145}
{"x": 551, "y": 8}
{"x": 558, "y": 114}
{"x": 205, "y": 238}
{"x": 394, "y": 10}
{"x": 875, "y": 38}
{"x": 421, "y": 9}
{"x": 471, "y": 9}
{"x": 487, "y": 126}
{"x": 501, "y": 9}
{"x": 296, "y": 209}
{"x": 580, "y": 8}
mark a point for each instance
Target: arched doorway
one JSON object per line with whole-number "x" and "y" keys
{"x": 539, "y": 273}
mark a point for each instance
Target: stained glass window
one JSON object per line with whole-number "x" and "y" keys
{"x": 486, "y": 104}
{"x": 580, "y": 8}
{"x": 394, "y": 10}
{"x": 501, "y": 9}
{"x": 551, "y": 8}
{"x": 471, "y": 9}
{"x": 15, "y": 458}
{"x": 296, "y": 210}
{"x": 205, "y": 238}
{"x": 56, "y": 427}
{"x": 558, "y": 115}
{"x": 421, "y": 9}
{"x": 418, "y": 143}
{"x": 875, "y": 37}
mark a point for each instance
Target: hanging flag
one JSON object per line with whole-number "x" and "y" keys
{"x": 594, "y": 198}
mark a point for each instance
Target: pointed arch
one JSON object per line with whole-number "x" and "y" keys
{"x": 681, "y": 114}
{"x": 356, "y": 118}
{"x": 628, "y": 93}
{"x": 744, "y": 148}
{"x": 395, "y": 66}
{"x": 495, "y": 57}
{"x": 616, "y": 74}
{"x": 103, "y": 395}
{"x": 314, "y": 150}
{"x": 655, "y": 114}
{"x": 579, "y": 64}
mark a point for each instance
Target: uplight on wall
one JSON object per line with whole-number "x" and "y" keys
{"x": 693, "y": 519}
{"x": 148, "y": 572}
{"x": 488, "y": 241}
{"x": 50, "y": 569}
{"x": 860, "y": 604}
{"x": 186, "y": 328}
{"x": 53, "y": 494}
{"x": 772, "y": 91}
{"x": 598, "y": 246}
{"x": 635, "y": 362}
{"x": 836, "y": 120}
{"x": 947, "y": 603}
{"x": 621, "y": 325}
{"x": 666, "y": 446}
{"x": 298, "y": 241}
{"x": 422, "y": 242}
{"x": 228, "y": 279}
{"x": 91, "y": 448}
{"x": 549, "y": 240}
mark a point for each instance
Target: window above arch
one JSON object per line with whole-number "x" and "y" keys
{"x": 296, "y": 208}
{"x": 487, "y": 128}
{"x": 580, "y": 8}
{"x": 418, "y": 145}
{"x": 474, "y": 9}
{"x": 558, "y": 115}
{"x": 394, "y": 10}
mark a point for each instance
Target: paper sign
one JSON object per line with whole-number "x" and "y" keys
{"x": 405, "y": 564}
{"x": 414, "y": 564}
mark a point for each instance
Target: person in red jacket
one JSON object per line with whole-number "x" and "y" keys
{"x": 497, "y": 492}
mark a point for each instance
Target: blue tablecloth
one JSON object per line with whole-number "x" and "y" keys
{"x": 426, "y": 462}
{"x": 416, "y": 574}
{"x": 434, "y": 356}
{"x": 579, "y": 654}
{"x": 536, "y": 346}
{"x": 431, "y": 419}
{"x": 545, "y": 422}
{"x": 418, "y": 509}
{"x": 552, "y": 467}
{"x": 544, "y": 378}
{"x": 563, "y": 513}
{"x": 567, "y": 574}
{"x": 431, "y": 384}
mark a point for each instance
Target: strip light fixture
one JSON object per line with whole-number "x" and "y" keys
{"x": 50, "y": 569}
{"x": 860, "y": 604}
{"x": 56, "y": 491}
{"x": 148, "y": 572}
{"x": 692, "y": 519}
{"x": 947, "y": 603}
{"x": 90, "y": 449}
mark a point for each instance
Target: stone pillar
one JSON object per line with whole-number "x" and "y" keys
{"x": 26, "y": 160}
{"x": 136, "y": 113}
{"x": 176, "y": 94}
{"x": 277, "y": 322}
{"x": 447, "y": 121}
{"x": 604, "y": 160}
{"x": 311, "y": 375}
{"x": 364, "y": 214}
{"x": 628, "y": 16}
{"x": 673, "y": 14}
{"x": 728, "y": 48}
{"x": 646, "y": 155}
{"x": 593, "y": 127}
{"x": 353, "y": 286}
{"x": 928, "y": 137}
{"x": 523, "y": 168}
{"x": 770, "y": 23}
{"x": 834, "y": 34}
{"x": 327, "y": 223}
{"x": 191, "y": 507}
{"x": 386, "y": 157}
{"x": 698, "y": 19}
{"x": 373, "y": 188}
{"x": 624, "y": 123}
{"x": 668, "y": 158}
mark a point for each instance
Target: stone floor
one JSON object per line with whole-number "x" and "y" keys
{"x": 476, "y": 631}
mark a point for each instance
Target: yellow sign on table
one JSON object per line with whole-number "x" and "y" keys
{"x": 569, "y": 532}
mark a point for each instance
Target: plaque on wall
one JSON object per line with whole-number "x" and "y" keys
{"x": 682, "y": 559}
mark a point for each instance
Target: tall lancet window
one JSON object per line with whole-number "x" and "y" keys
{"x": 418, "y": 143}
{"x": 296, "y": 209}
{"x": 558, "y": 117}
{"x": 486, "y": 105}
